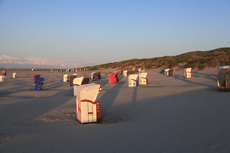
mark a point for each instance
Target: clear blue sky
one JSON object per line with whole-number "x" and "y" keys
{"x": 88, "y": 32}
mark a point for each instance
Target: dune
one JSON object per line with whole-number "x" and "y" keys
{"x": 170, "y": 114}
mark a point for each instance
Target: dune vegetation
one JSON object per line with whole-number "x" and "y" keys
{"x": 194, "y": 59}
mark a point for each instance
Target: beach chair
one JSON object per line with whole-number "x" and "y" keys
{"x": 143, "y": 78}
{"x": 14, "y": 75}
{"x": 2, "y": 78}
{"x": 113, "y": 78}
{"x": 188, "y": 73}
{"x": 71, "y": 80}
{"x": 223, "y": 79}
{"x": 92, "y": 75}
{"x": 134, "y": 69}
{"x": 97, "y": 76}
{"x": 166, "y": 73}
{"x": 171, "y": 72}
{"x": 38, "y": 83}
{"x": 3, "y": 72}
{"x": 76, "y": 83}
{"x": 224, "y": 67}
{"x": 132, "y": 80}
{"x": 87, "y": 109}
{"x": 139, "y": 70}
{"x": 65, "y": 78}
{"x": 86, "y": 80}
{"x": 125, "y": 73}
{"x": 79, "y": 81}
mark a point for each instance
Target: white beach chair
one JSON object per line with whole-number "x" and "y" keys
{"x": 65, "y": 78}
{"x": 132, "y": 80}
{"x": 125, "y": 73}
{"x": 14, "y": 75}
{"x": 139, "y": 70}
{"x": 91, "y": 76}
{"x": 76, "y": 83}
{"x": 87, "y": 109}
{"x": 188, "y": 73}
{"x": 166, "y": 73}
{"x": 143, "y": 78}
{"x": 2, "y": 78}
{"x": 224, "y": 67}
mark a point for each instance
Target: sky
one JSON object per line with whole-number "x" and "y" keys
{"x": 78, "y": 33}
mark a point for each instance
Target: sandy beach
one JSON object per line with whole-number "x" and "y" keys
{"x": 170, "y": 114}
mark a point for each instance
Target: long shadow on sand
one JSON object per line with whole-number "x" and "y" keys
{"x": 178, "y": 77}
{"x": 36, "y": 107}
{"x": 108, "y": 98}
{"x": 207, "y": 76}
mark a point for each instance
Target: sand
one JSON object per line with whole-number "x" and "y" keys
{"x": 170, "y": 114}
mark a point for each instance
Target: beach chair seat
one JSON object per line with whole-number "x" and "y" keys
{"x": 132, "y": 80}
{"x": 143, "y": 78}
{"x": 87, "y": 109}
{"x": 188, "y": 73}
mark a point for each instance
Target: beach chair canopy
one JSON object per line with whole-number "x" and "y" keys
{"x": 78, "y": 81}
{"x": 166, "y": 70}
{"x": 125, "y": 71}
{"x": 88, "y": 92}
{"x": 224, "y": 67}
{"x": 36, "y": 75}
{"x": 133, "y": 76}
{"x": 113, "y": 75}
{"x": 143, "y": 75}
{"x": 188, "y": 70}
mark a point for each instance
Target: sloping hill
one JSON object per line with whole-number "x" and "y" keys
{"x": 195, "y": 59}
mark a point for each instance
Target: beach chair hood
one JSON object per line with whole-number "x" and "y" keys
{"x": 77, "y": 81}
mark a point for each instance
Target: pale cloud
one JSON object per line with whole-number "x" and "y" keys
{"x": 41, "y": 62}
{"x": 7, "y": 57}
